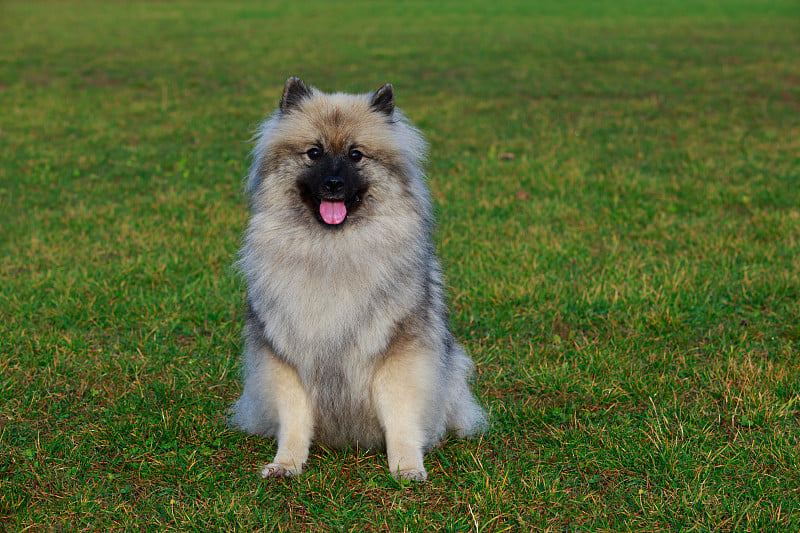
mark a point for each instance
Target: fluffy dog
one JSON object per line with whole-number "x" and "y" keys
{"x": 346, "y": 336}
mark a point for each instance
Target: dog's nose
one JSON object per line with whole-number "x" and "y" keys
{"x": 333, "y": 184}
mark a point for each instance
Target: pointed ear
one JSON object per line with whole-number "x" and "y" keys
{"x": 294, "y": 92}
{"x": 383, "y": 99}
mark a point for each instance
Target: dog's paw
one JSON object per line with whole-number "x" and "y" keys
{"x": 412, "y": 474}
{"x": 279, "y": 470}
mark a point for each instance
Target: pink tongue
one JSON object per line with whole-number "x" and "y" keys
{"x": 332, "y": 212}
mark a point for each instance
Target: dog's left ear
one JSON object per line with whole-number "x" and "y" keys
{"x": 294, "y": 92}
{"x": 383, "y": 99}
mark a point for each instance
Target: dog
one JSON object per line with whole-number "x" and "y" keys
{"x": 346, "y": 335}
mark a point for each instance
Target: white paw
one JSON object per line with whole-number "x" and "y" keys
{"x": 411, "y": 474}
{"x": 279, "y": 470}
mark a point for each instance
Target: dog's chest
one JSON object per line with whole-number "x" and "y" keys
{"x": 312, "y": 322}
{"x": 314, "y": 312}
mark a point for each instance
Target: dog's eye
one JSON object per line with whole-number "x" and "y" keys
{"x": 355, "y": 156}
{"x": 314, "y": 153}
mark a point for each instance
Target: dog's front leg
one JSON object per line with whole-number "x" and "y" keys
{"x": 401, "y": 392}
{"x": 295, "y": 420}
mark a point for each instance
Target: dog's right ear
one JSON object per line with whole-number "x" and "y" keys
{"x": 383, "y": 100}
{"x": 294, "y": 92}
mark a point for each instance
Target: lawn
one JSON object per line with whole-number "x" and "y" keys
{"x": 618, "y": 192}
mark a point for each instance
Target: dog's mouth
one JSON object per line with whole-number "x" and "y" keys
{"x": 332, "y": 211}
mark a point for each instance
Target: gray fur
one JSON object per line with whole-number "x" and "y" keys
{"x": 332, "y": 303}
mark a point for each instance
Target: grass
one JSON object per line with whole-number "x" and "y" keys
{"x": 618, "y": 189}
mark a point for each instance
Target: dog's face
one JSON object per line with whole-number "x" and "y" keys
{"x": 334, "y": 159}
{"x": 333, "y": 182}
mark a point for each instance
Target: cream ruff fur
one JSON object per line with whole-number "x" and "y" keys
{"x": 346, "y": 340}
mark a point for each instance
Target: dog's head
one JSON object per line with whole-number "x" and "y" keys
{"x": 336, "y": 159}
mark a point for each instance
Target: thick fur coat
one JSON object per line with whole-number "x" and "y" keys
{"x": 346, "y": 337}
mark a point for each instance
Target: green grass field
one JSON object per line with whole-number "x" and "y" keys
{"x": 618, "y": 192}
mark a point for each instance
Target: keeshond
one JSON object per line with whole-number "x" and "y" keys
{"x": 346, "y": 335}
